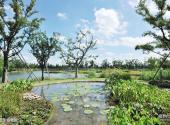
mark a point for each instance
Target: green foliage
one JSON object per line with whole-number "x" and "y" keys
{"x": 18, "y": 86}
{"x": 92, "y": 74}
{"x": 131, "y": 115}
{"x": 106, "y": 73}
{"x": 159, "y": 23}
{"x": 153, "y": 63}
{"x": 27, "y": 112}
{"x": 132, "y": 91}
{"x": 15, "y": 33}
{"x": 9, "y": 103}
{"x": 1, "y": 65}
{"x": 162, "y": 75}
{"x": 150, "y": 101}
{"x": 105, "y": 64}
{"x": 115, "y": 73}
{"x": 16, "y": 64}
{"x": 43, "y": 48}
{"x": 34, "y": 112}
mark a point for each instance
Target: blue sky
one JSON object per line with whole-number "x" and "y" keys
{"x": 114, "y": 23}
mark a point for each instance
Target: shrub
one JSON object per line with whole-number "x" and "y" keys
{"x": 115, "y": 72}
{"x": 9, "y": 104}
{"x": 106, "y": 73}
{"x": 91, "y": 74}
{"x": 117, "y": 77}
{"x": 18, "y": 86}
{"x": 162, "y": 75}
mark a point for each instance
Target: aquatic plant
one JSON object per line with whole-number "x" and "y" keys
{"x": 66, "y": 107}
{"x": 146, "y": 101}
{"x": 86, "y": 106}
{"x": 87, "y": 112}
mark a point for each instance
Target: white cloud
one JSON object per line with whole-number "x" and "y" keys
{"x": 84, "y": 24}
{"x": 62, "y": 15}
{"x": 125, "y": 41}
{"x": 109, "y": 22}
{"x": 133, "y": 3}
{"x": 85, "y": 21}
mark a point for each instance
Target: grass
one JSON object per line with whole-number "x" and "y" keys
{"x": 148, "y": 75}
{"x": 12, "y": 105}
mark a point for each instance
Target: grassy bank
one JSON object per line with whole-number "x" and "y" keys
{"x": 18, "y": 110}
{"x": 57, "y": 81}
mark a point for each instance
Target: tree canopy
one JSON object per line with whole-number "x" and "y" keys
{"x": 43, "y": 47}
{"x": 15, "y": 28}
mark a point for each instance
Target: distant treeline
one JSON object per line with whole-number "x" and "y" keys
{"x": 151, "y": 63}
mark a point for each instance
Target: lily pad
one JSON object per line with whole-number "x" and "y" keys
{"x": 86, "y": 106}
{"x": 66, "y": 99}
{"x": 88, "y": 112}
{"x": 66, "y": 107}
{"x": 55, "y": 99}
{"x": 95, "y": 105}
{"x": 71, "y": 102}
{"x": 104, "y": 112}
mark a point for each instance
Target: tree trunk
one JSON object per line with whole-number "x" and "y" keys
{"x": 42, "y": 69}
{"x": 76, "y": 73}
{"x": 5, "y": 68}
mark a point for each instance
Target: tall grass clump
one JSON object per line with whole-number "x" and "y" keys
{"x": 92, "y": 74}
{"x": 10, "y": 97}
{"x": 118, "y": 73}
{"x": 9, "y": 104}
{"x": 162, "y": 75}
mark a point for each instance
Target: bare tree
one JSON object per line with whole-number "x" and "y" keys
{"x": 74, "y": 52}
{"x": 15, "y": 28}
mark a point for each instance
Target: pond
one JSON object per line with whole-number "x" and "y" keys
{"x": 76, "y": 103}
{"x": 24, "y": 75}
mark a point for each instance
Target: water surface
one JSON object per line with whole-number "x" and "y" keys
{"x": 24, "y": 75}
{"x": 76, "y": 103}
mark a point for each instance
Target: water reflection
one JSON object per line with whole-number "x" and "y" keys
{"x": 73, "y": 100}
{"x": 25, "y": 75}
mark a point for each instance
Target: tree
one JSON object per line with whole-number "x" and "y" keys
{"x": 92, "y": 64}
{"x": 153, "y": 63}
{"x": 1, "y": 65}
{"x": 43, "y": 48}
{"x": 160, "y": 29}
{"x": 133, "y": 64}
{"x": 74, "y": 52}
{"x": 105, "y": 64}
{"x": 117, "y": 63}
{"x": 15, "y": 28}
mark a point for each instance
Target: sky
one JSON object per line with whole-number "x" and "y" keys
{"x": 114, "y": 23}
